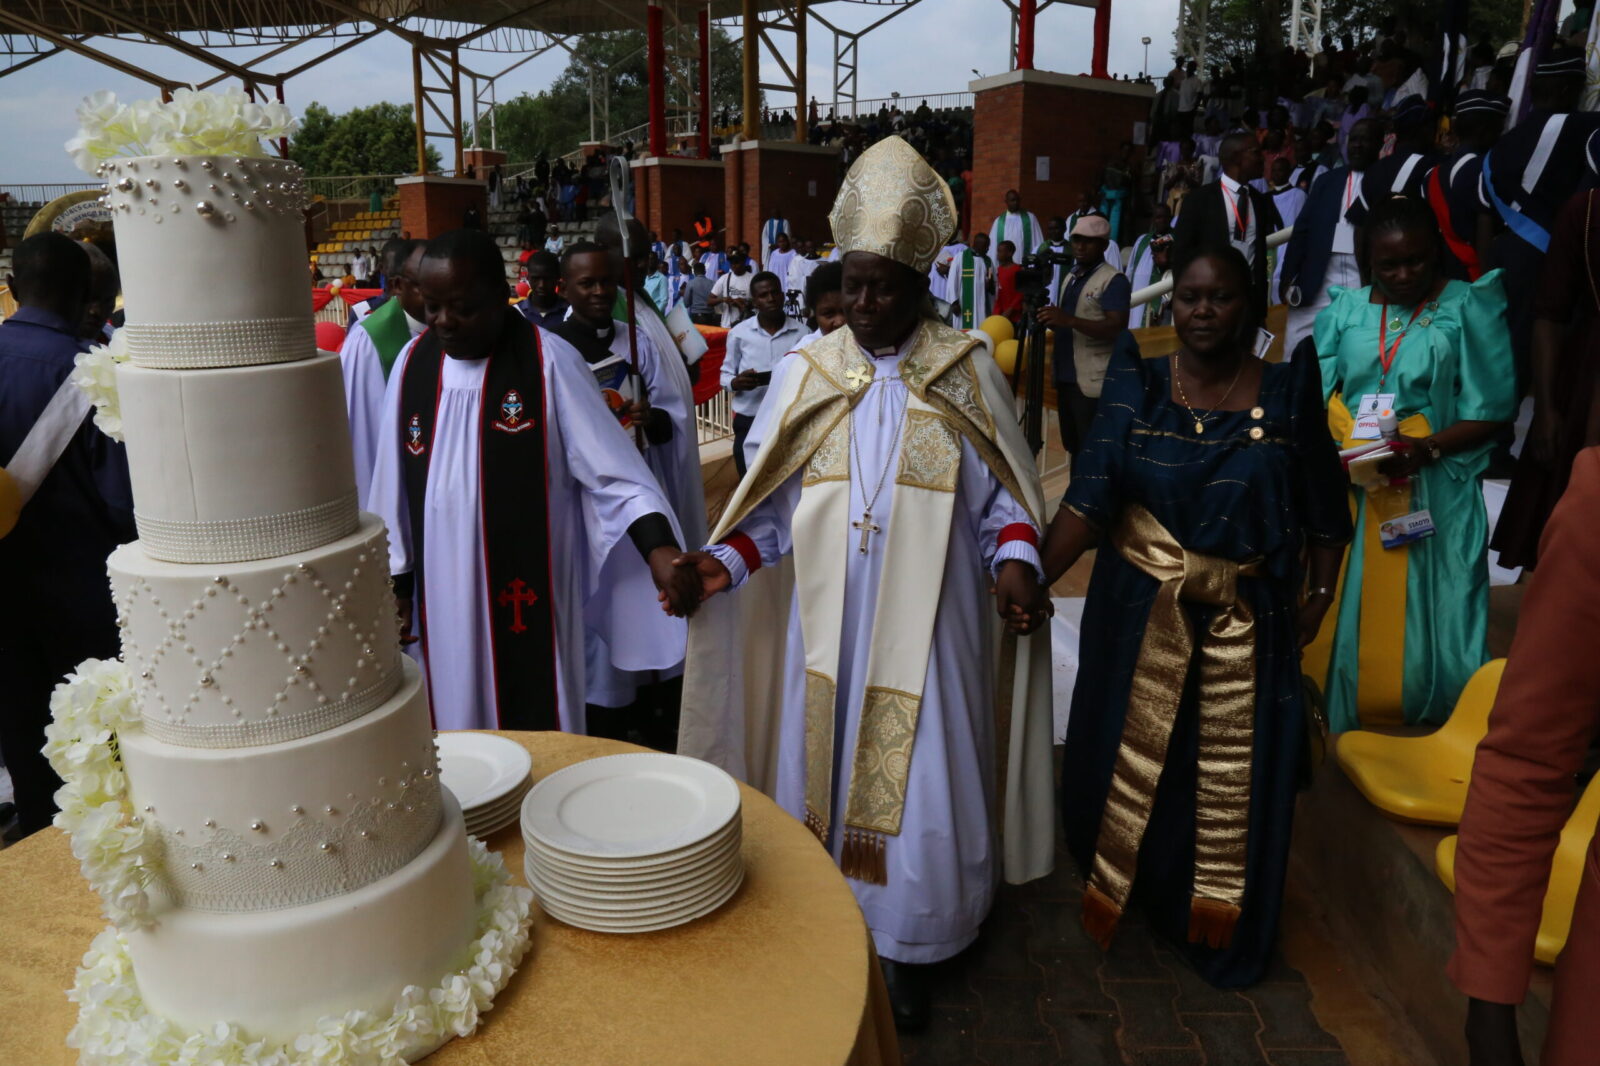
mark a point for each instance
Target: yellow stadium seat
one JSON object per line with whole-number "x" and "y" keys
{"x": 1424, "y": 779}
{"x": 1566, "y": 873}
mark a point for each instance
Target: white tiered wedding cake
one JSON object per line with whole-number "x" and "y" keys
{"x": 287, "y": 874}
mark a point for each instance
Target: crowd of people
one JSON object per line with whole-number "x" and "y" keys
{"x": 1258, "y": 522}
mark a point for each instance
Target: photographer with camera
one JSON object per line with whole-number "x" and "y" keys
{"x": 1089, "y": 317}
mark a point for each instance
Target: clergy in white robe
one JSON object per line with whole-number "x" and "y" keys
{"x": 1019, "y": 227}
{"x": 776, "y": 260}
{"x": 969, "y": 285}
{"x": 370, "y": 349}
{"x": 655, "y": 407}
{"x": 891, "y": 469}
{"x": 519, "y": 511}
{"x": 1290, "y": 200}
{"x": 770, "y": 231}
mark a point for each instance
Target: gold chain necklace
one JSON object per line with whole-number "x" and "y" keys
{"x": 1199, "y": 419}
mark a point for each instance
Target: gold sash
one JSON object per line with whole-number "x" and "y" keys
{"x": 1380, "y": 654}
{"x": 1226, "y": 699}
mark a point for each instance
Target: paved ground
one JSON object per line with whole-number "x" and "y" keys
{"x": 1036, "y": 989}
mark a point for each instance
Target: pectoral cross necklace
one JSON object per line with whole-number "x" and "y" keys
{"x": 866, "y": 525}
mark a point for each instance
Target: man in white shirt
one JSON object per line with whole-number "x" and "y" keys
{"x": 754, "y": 348}
{"x": 801, "y": 267}
{"x": 361, "y": 268}
{"x": 731, "y": 294}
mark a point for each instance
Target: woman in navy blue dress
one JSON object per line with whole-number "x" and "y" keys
{"x": 1214, "y": 492}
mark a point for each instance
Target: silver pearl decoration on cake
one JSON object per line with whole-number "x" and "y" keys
{"x": 329, "y": 809}
{"x": 177, "y": 161}
{"x": 227, "y": 856}
{"x": 194, "y": 866}
{"x": 276, "y": 864}
{"x": 205, "y": 681}
{"x": 258, "y": 826}
{"x": 365, "y": 835}
{"x": 205, "y": 209}
{"x": 226, "y": 176}
{"x": 124, "y": 184}
{"x": 179, "y": 184}
{"x": 206, "y": 164}
{"x": 151, "y": 183}
{"x": 148, "y": 809}
{"x": 427, "y": 773}
{"x": 326, "y": 846}
{"x": 210, "y": 823}
{"x": 297, "y": 809}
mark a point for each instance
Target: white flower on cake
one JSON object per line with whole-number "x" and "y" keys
{"x": 114, "y": 1026}
{"x": 88, "y": 709}
{"x": 193, "y": 122}
{"x": 96, "y": 376}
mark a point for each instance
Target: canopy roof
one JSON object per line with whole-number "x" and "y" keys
{"x": 118, "y": 17}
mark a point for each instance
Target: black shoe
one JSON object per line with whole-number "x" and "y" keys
{"x": 908, "y": 994}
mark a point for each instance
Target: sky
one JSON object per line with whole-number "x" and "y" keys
{"x": 932, "y": 48}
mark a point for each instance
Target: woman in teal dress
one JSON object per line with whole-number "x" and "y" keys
{"x": 1410, "y": 621}
{"x": 1216, "y": 498}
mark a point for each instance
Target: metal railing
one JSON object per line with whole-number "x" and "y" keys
{"x": 43, "y": 194}
{"x": 351, "y": 186}
{"x": 714, "y": 418}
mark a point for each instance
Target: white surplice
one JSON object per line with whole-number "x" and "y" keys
{"x": 682, "y": 482}
{"x": 364, "y": 387}
{"x": 598, "y": 486}
{"x": 1008, "y": 226}
{"x": 945, "y": 863}
{"x": 676, "y": 466}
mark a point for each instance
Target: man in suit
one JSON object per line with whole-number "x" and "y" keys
{"x": 1322, "y": 251}
{"x": 1545, "y": 717}
{"x": 1229, "y": 211}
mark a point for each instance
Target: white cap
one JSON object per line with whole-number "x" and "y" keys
{"x": 1388, "y": 424}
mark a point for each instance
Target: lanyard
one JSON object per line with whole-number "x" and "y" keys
{"x": 1387, "y": 352}
{"x": 1349, "y": 186}
{"x": 1233, "y": 203}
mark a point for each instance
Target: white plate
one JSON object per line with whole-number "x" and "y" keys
{"x": 621, "y": 890}
{"x": 630, "y": 806}
{"x": 489, "y": 826}
{"x": 478, "y": 768}
{"x": 636, "y": 867}
{"x": 645, "y": 880}
{"x": 648, "y": 925}
{"x": 499, "y": 808}
{"x": 623, "y": 909}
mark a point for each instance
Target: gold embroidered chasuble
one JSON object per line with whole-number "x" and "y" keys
{"x": 731, "y": 685}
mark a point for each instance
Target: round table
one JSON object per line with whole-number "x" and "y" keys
{"x": 783, "y": 973}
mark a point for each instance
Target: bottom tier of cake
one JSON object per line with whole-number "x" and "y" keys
{"x": 275, "y": 973}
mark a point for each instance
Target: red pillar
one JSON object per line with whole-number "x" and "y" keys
{"x": 283, "y": 142}
{"x": 1027, "y": 12}
{"x": 1102, "y": 40}
{"x": 655, "y": 63}
{"x": 705, "y": 83}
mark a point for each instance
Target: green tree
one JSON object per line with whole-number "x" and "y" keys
{"x": 557, "y": 120}
{"x": 380, "y": 139}
{"x": 1240, "y": 31}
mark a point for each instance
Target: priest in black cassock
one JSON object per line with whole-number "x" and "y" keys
{"x": 518, "y": 509}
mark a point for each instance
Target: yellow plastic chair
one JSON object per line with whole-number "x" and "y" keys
{"x": 1566, "y": 873}
{"x": 1424, "y": 779}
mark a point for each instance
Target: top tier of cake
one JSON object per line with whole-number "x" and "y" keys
{"x": 213, "y": 260}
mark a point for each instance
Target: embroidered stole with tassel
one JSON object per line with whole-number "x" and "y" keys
{"x": 914, "y": 544}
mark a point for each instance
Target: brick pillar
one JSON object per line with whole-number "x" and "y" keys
{"x": 766, "y": 177}
{"x": 431, "y": 205}
{"x": 1073, "y": 123}
{"x": 670, "y": 192}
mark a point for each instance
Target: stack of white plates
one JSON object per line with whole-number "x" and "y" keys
{"x": 633, "y": 843}
{"x": 488, "y": 776}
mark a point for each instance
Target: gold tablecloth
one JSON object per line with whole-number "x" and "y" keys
{"x": 784, "y": 973}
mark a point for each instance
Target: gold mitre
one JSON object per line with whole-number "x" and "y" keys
{"x": 893, "y": 204}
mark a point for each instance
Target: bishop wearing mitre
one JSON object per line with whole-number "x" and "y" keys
{"x": 879, "y": 690}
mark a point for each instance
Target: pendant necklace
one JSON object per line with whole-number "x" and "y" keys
{"x": 1200, "y": 419}
{"x": 867, "y": 526}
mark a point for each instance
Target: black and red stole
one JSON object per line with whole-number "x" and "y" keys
{"x": 516, "y": 528}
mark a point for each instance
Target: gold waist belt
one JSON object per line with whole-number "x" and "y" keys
{"x": 1226, "y": 691}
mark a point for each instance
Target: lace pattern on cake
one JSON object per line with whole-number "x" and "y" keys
{"x": 359, "y": 685}
{"x": 238, "y": 540}
{"x": 314, "y": 859}
{"x": 214, "y": 345}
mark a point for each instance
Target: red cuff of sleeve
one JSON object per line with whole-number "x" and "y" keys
{"x": 1018, "y": 531}
{"x": 746, "y": 549}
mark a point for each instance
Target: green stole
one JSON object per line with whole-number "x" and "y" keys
{"x": 1027, "y": 232}
{"x": 968, "y": 289}
{"x": 389, "y": 331}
